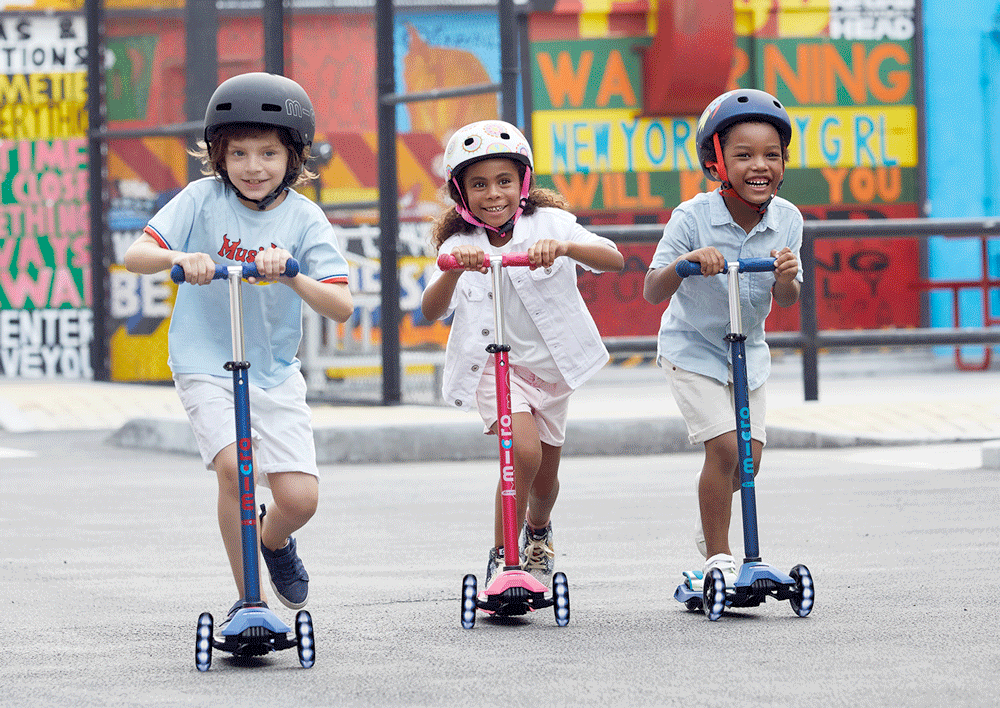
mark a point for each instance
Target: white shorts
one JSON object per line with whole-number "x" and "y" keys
{"x": 547, "y": 402}
{"x": 280, "y": 422}
{"x": 708, "y": 407}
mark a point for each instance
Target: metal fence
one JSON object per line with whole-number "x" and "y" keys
{"x": 809, "y": 339}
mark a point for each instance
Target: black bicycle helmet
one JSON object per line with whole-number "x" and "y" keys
{"x": 267, "y": 99}
{"x": 263, "y": 99}
{"x": 736, "y": 107}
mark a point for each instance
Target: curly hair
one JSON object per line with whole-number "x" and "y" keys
{"x": 451, "y": 222}
{"x": 213, "y": 157}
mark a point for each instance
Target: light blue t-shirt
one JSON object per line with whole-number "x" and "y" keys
{"x": 207, "y": 217}
{"x": 694, "y": 325}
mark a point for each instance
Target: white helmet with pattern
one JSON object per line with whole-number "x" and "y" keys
{"x": 483, "y": 140}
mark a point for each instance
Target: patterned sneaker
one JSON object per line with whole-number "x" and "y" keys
{"x": 289, "y": 578}
{"x": 494, "y": 566}
{"x": 538, "y": 555}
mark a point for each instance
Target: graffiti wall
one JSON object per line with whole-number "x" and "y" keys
{"x": 845, "y": 73}
{"x": 844, "y": 70}
{"x": 45, "y": 316}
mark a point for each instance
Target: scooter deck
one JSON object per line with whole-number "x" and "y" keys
{"x": 756, "y": 582}
{"x": 513, "y": 593}
{"x": 254, "y": 631}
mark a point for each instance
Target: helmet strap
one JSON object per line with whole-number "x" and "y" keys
{"x": 727, "y": 186}
{"x": 463, "y": 209}
{"x": 265, "y": 201}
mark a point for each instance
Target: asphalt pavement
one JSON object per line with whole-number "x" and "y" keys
{"x": 886, "y": 488}
{"x": 109, "y": 556}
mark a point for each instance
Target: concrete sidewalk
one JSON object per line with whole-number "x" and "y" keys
{"x": 888, "y": 398}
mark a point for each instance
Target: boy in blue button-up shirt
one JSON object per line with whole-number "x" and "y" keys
{"x": 742, "y": 139}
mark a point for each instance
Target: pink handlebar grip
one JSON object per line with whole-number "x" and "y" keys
{"x": 446, "y": 261}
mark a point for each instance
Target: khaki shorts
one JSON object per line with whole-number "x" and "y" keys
{"x": 708, "y": 407}
{"x": 280, "y": 422}
{"x": 547, "y": 402}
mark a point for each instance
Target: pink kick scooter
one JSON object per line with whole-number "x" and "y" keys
{"x": 513, "y": 592}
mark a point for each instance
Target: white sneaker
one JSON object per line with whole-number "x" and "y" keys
{"x": 727, "y": 564}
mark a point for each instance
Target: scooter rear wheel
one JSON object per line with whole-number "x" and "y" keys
{"x": 714, "y": 594}
{"x": 560, "y": 598}
{"x": 805, "y": 592}
{"x": 203, "y": 642}
{"x": 469, "y": 601}
{"x": 305, "y": 640}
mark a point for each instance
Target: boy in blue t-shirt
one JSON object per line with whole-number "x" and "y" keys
{"x": 742, "y": 139}
{"x": 258, "y": 131}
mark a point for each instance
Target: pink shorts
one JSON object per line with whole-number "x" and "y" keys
{"x": 547, "y": 402}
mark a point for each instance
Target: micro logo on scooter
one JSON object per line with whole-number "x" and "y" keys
{"x": 506, "y": 434}
{"x": 244, "y": 456}
{"x": 745, "y": 436}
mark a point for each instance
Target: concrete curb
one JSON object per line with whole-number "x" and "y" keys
{"x": 457, "y": 441}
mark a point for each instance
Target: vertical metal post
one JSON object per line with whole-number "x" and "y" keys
{"x": 97, "y": 190}
{"x": 274, "y": 36}
{"x": 508, "y": 61}
{"x": 388, "y": 189}
{"x": 807, "y": 318}
{"x": 920, "y": 99}
{"x": 201, "y": 68}
{"x": 525, "y": 53}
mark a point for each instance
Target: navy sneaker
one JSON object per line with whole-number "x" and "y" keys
{"x": 289, "y": 578}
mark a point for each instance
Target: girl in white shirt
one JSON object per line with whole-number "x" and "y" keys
{"x": 555, "y": 345}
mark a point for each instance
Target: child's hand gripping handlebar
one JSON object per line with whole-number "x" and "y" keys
{"x": 446, "y": 261}
{"x": 746, "y": 265}
{"x": 249, "y": 271}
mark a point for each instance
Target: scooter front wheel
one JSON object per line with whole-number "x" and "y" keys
{"x": 469, "y": 601}
{"x": 714, "y": 594}
{"x": 805, "y": 592}
{"x": 560, "y": 599}
{"x": 203, "y": 642}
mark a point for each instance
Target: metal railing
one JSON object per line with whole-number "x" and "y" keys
{"x": 809, "y": 339}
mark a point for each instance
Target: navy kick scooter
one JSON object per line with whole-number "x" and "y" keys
{"x": 254, "y": 630}
{"x": 756, "y": 580}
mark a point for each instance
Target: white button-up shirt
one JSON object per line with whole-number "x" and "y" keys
{"x": 550, "y": 296}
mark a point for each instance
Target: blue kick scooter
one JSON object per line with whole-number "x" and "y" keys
{"x": 254, "y": 630}
{"x": 756, "y": 580}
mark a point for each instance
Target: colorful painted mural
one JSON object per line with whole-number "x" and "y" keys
{"x": 845, "y": 71}
{"x": 45, "y": 316}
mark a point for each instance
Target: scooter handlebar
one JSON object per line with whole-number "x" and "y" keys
{"x": 249, "y": 271}
{"x": 746, "y": 265}
{"x": 446, "y": 261}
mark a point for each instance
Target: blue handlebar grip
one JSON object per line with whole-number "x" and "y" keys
{"x": 747, "y": 265}
{"x": 686, "y": 268}
{"x": 249, "y": 271}
{"x": 756, "y": 265}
